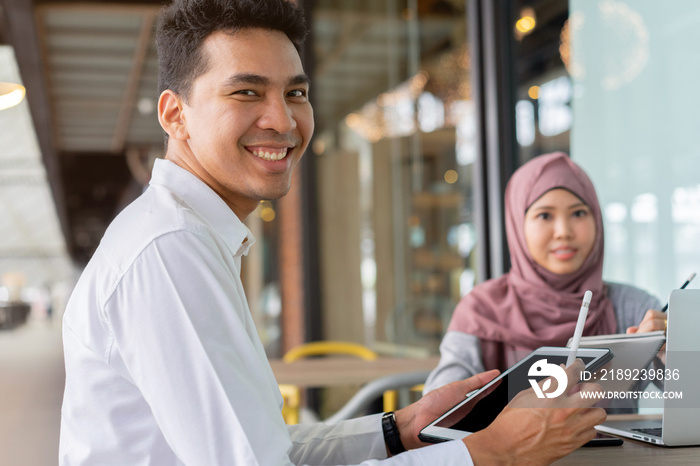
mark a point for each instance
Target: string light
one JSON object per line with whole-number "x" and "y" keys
{"x": 527, "y": 22}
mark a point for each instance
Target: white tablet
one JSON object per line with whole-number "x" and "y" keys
{"x": 482, "y": 406}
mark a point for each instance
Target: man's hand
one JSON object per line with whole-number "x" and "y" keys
{"x": 411, "y": 419}
{"x": 536, "y": 431}
{"x": 653, "y": 320}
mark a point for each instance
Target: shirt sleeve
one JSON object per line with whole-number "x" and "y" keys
{"x": 355, "y": 440}
{"x": 460, "y": 358}
{"x": 630, "y": 304}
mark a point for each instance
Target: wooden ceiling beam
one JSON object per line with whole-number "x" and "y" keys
{"x": 132, "y": 86}
{"x": 20, "y": 30}
{"x": 126, "y": 5}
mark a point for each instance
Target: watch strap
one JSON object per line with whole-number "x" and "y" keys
{"x": 391, "y": 434}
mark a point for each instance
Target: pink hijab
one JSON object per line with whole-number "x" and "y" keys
{"x": 529, "y": 306}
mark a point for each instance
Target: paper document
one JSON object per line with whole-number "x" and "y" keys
{"x": 632, "y": 354}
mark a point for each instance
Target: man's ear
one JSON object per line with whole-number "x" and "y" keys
{"x": 171, "y": 115}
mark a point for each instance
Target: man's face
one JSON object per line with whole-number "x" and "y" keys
{"x": 248, "y": 119}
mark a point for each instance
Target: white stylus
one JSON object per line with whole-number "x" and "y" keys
{"x": 579, "y": 327}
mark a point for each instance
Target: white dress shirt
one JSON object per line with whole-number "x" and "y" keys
{"x": 163, "y": 362}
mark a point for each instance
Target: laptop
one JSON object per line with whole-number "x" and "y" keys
{"x": 679, "y": 424}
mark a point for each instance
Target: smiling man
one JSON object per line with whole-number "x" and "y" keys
{"x": 243, "y": 125}
{"x": 163, "y": 362}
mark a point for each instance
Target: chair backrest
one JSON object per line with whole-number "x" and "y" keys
{"x": 381, "y": 386}
{"x": 318, "y": 348}
{"x": 291, "y": 393}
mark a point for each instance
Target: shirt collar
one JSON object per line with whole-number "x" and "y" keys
{"x": 206, "y": 202}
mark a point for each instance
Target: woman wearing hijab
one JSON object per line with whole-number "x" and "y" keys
{"x": 554, "y": 230}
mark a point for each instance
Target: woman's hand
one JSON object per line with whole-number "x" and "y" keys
{"x": 653, "y": 320}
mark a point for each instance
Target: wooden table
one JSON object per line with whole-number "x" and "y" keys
{"x": 336, "y": 371}
{"x": 632, "y": 452}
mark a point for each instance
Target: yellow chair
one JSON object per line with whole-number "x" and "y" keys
{"x": 390, "y": 399}
{"x": 292, "y": 401}
{"x": 318, "y": 348}
{"x": 292, "y": 393}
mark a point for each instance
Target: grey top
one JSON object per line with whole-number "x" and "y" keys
{"x": 460, "y": 353}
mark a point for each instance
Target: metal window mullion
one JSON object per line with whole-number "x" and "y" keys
{"x": 492, "y": 44}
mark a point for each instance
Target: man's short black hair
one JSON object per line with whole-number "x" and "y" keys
{"x": 185, "y": 24}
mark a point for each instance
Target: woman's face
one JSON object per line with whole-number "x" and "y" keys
{"x": 559, "y": 231}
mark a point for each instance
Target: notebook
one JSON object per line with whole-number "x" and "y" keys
{"x": 633, "y": 353}
{"x": 679, "y": 424}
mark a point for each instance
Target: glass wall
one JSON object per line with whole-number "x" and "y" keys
{"x": 260, "y": 275}
{"x": 637, "y": 113}
{"x": 613, "y": 83}
{"x": 543, "y": 113}
{"x": 610, "y": 82}
{"x": 394, "y": 148}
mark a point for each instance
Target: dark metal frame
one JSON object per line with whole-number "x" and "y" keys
{"x": 493, "y": 90}
{"x": 313, "y": 323}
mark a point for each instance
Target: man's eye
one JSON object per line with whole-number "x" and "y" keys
{"x": 245, "y": 92}
{"x": 297, "y": 93}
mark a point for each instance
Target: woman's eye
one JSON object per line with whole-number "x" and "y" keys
{"x": 544, "y": 216}
{"x": 580, "y": 213}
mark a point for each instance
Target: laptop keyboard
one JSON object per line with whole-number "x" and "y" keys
{"x": 656, "y": 431}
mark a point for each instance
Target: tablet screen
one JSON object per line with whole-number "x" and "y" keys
{"x": 480, "y": 408}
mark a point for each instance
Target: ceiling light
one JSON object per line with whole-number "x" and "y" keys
{"x": 10, "y": 95}
{"x": 146, "y": 106}
{"x": 527, "y": 22}
{"x": 451, "y": 176}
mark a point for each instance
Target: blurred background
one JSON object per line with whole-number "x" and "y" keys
{"x": 423, "y": 110}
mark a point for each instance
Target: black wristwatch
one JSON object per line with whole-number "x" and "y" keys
{"x": 391, "y": 434}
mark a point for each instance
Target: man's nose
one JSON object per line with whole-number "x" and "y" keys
{"x": 277, "y": 116}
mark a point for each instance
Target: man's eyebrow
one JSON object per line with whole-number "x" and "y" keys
{"x": 251, "y": 78}
{"x": 299, "y": 79}
{"x": 247, "y": 78}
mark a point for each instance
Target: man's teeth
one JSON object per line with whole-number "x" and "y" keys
{"x": 270, "y": 155}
